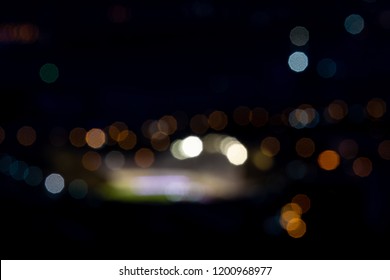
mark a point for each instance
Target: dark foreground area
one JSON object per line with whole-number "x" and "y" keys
{"x": 338, "y": 228}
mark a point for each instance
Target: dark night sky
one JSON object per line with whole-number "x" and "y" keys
{"x": 188, "y": 55}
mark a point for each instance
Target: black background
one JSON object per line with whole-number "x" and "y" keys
{"x": 193, "y": 56}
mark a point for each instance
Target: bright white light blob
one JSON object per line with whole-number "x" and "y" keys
{"x": 191, "y": 146}
{"x": 354, "y": 24}
{"x": 226, "y": 143}
{"x": 176, "y": 150}
{"x": 181, "y": 184}
{"x": 237, "y": 154}
{"x": 54, "y": 183}
{"x": 299, "y": 36}
{"x": 175, "y": 187}
{"x": 298, "y": 61}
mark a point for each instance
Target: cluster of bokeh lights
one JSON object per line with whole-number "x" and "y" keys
{"x": 206, "y": 138}
{"x": 291, "y": 215}
{"x": 22, "y": 33}
{"x": 298, "y": 61}
{"x": 207, "y": 134}
{"x": 33, "y": 176}
{"x": 187, "y": 138}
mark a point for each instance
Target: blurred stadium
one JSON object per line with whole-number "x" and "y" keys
{"x": 194, "y": 129}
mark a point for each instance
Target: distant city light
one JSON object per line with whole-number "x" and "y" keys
{"x": 144, "y": 158}
{"x": 296, "y": 228}
{"x": 25, "y": 33}
{"x": 376, "y": 108}
{"x": 298, "y": 118}
{"x": 78, "y": 189}
{"x": 91, "y": 160}
{"x": 167, "y": 124}
{"x": 304, "y": 116}
{"x": 17, "y": 169}
{"x": 129, "y": 141}
{"x": 303, "y": 201}
{"x": 298, "y": 61}
{"x": 384, "y": 149}
{"x": 160, "y": 141}
{"x": 218, "y": 120}
{"x": 362, "y": 166}
{"x": 299, "y": 36}
{"x": 270, "y": 146}
{"x": 77, "y": 137}
{"x": 149, "y": 127}
{"x": 287, "y": 216}
{"x": 118, "y": 131}
{"x": 33, "y": 176}
{"x": 289, "y": 211}
{"x": 54, "y": 183}
{"x": 329, "y": 160}
{"x": 95, "y": 138}
{"x": 348, "y": 148}
{"x": 199, "y": 124}
{"x": 292, "y": 207}
{"x": 26, "y": 135}
{"x": 336, "y": 111}
{"x": 354, "y": 24}
{"x": 290, "y": 218}
{"x": 49, "y": 73}
{"x": 5, "y": 163}
{"x": 305, "y": 147}
{"x": 262, "y": 162}
{"x": 326, "y": 68}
